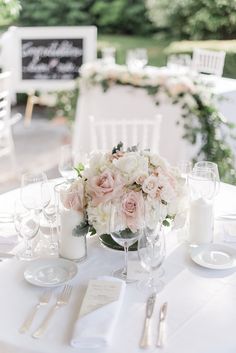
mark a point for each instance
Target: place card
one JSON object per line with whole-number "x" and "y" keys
{"x": 100, "y": 293}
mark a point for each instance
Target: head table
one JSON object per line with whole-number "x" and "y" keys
{"x": 201, "y": 302}
{"x": 129, "y": 103}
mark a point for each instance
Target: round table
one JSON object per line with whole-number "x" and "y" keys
{"x": 201, "y": 302}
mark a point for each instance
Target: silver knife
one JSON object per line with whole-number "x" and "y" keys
{"x": 161, "y": 327}
{"x": 145, "y": 339}
{"x": 4, "y": 256}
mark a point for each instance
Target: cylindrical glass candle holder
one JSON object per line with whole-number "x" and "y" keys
{"x": 72, "y": 227}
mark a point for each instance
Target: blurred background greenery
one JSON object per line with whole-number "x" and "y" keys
{"x": 125, "y": 24}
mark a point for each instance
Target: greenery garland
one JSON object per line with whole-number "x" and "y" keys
{"x": 201, "y": 119}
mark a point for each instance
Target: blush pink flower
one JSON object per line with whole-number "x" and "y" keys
{"x": 133, "y": 209}
{"x": 105, "y": 187}
{"x": 74, "y": 197}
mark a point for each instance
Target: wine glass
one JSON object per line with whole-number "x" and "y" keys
{"x": 34, "y": 191}
{"x": 212, "y": 166}
{"x": 151, "y": 252}
{"x": 136, "y": 58}
{"x": 28, "y": 227}
{"x": 66, "y": 163}
{"x": 109, "y": 55}
{"x": 122, "y": 235}
{"x": 50, "y": 214}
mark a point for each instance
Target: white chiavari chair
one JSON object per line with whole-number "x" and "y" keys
{"x": 7, "y": 147}
{"x": 108, "y": 133}
{"x": 208, "y": 61}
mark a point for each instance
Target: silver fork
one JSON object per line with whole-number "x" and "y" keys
{"x": 43, "y": 300}
{"x": 62, "y": 299}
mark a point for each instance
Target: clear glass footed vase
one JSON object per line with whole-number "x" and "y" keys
{"x": 72, "y": 228}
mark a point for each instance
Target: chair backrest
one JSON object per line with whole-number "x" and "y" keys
{"x": 5, "y": 102}
{"x": 208, "y": 61}
{"x": 108, "y": 133}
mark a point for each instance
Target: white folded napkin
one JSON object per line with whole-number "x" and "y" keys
{"x": 98, "y": 313}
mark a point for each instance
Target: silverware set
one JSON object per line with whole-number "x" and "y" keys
{"x": 62, "y": 299}
{"x": 146, "y": 341}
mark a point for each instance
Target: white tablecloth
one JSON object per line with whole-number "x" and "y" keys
{"x": 201, "y": 311}
{"x": 125, "y": 102}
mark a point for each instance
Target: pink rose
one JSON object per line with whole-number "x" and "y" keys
{"x": 133, "y": 209}
{"x": 105, "y": 187}
{"x": 74, "y": 197}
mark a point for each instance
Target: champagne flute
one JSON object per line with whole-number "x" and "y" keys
{"x": 151, "y": 252}
{"x": 122, "y": 235}
{"x": 66, "y": 163}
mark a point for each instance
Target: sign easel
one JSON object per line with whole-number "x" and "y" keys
{"x": 46, "y": 59}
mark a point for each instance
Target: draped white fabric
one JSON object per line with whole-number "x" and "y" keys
{"x": 201, "y": 302}
{"x": 125, "y": 102}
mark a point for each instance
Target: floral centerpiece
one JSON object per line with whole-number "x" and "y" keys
{"x": 134, "y": 179}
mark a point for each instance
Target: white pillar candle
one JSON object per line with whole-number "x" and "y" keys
{"x": 201, "y": 221}
{"x": 71, "y": 247}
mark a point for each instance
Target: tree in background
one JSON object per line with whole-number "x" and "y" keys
{"x": 110, "y": 16}
{"x": 9, "y": 11}
{"x": 197, "y": 19}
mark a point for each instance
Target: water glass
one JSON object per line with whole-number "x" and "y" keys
{"x": 66, "y": 163}
{"x": 177, "y": 62}
{"x": 151, "y": 252}
{"x": 214, "y": 168}
{"x": 34, "y": 191}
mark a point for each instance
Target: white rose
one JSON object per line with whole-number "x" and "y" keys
{"x": 150, "y": 186}
{"x": 98, "y": 162}
{"x": 132, "y": 165}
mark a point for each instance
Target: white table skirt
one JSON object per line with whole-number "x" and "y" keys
{"x": 201, "y": 314}
{"x": 125, "y": 102}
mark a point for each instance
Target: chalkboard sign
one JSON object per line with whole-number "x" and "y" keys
{"x": 55, "y": 59}
{"x": 46, "y": 58}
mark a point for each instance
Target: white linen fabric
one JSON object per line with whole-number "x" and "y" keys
{"x": 95, "y": 330}
{"x": 201, "y": 302}
{"x": 129, "y": 103}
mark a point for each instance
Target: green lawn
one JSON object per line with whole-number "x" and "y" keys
{"x": 122, "y": 43}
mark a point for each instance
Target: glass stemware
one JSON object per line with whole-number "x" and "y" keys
{"x": 28, "y": 227}
{"x": 202, "y": 183}
{"x": 136, "y": 58}
{"x": 34, "y": 191}
{"x": 151, "y": 252}
{"x": 123, "y": 236}
{"x": 214, "y": 168}
{"x": 66, "y": 163}
{"x": 50, "y": 213}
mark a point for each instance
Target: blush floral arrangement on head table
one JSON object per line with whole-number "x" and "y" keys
{"x": 133, "y": 179}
